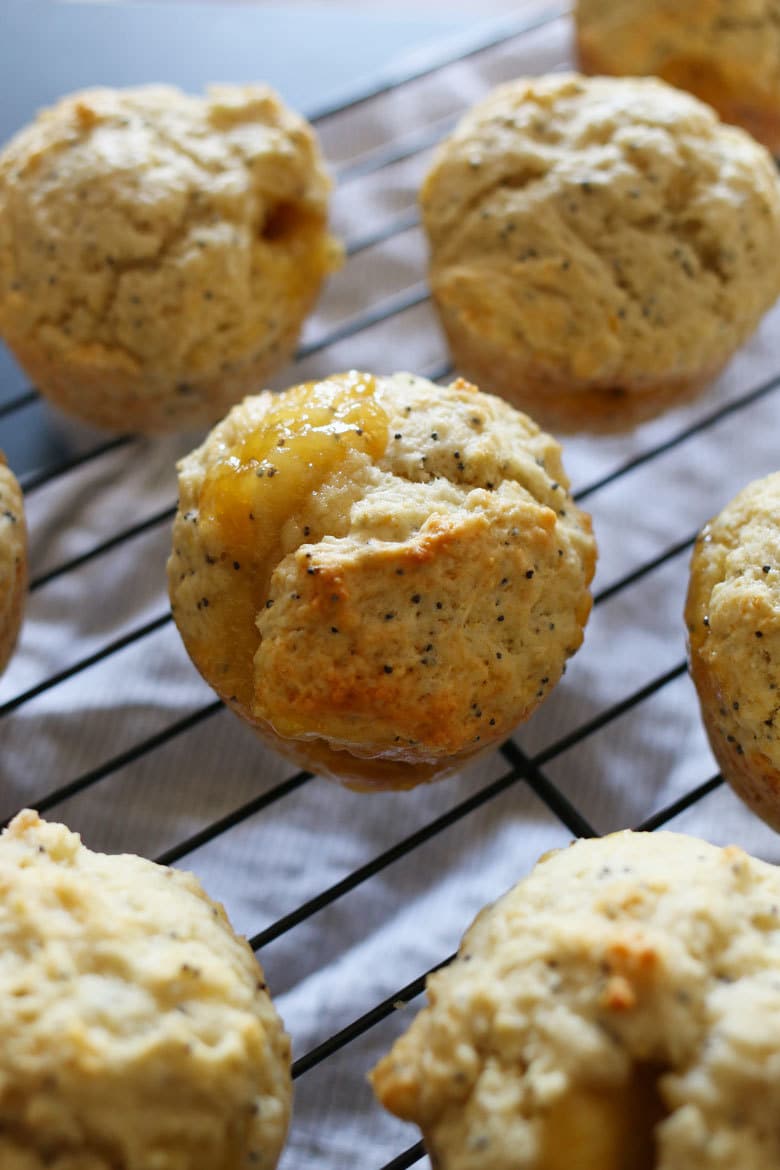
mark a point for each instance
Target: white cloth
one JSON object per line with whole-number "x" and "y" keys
{"x": 340, "y": 962}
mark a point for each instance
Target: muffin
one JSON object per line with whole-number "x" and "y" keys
{"x": 136, "y": 1030}
{"x": 382, "y": 575}
{"x": 159, "y": 251}
{"x": 732, "y": 613}
{"x": 599, "y": 247}
{"x": 13, "y": 561}
{"x": 617, "y": 1010}
{"x": 727, "y": 52}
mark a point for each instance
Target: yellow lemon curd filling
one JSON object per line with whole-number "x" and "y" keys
{"x": 592, "y": 1129}
{"x": 256, "y": 488}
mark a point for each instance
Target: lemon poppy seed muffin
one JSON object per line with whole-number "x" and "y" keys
{"x": 732, "y": 614}
{"x": 727, "y": 52}
{"x": 136, "y": 1030}
{"x": 13, "y": 561}
{"x": 159, "y": 251}
{"x": 382, "y": 575}
{"x": 599, "y": 247}
{"x": 617, "y": 1010}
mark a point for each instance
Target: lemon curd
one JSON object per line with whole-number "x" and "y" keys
{"x": 590, "y": 1129}
{"x": 264, "y": 481}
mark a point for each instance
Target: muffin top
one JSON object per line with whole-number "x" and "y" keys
{"x": 148, "y": 231}
{"x": 391, "y": 566}
{"x": 739, "y": 38}
{"x": 612, "y": 227}
{"x": 623, "y": 1003}
{"x": 136, "y": 1029}
{"x": 13, "y": 559}
{"x": 733, "y": 613}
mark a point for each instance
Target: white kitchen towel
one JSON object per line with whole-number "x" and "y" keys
{"x": 132, "y": 750}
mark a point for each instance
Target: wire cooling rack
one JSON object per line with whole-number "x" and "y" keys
{"x": 350, "y": 900}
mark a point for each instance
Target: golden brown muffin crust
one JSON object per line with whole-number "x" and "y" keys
{"x": 159, "y": 251}
{"x": 136, "y": 1030}
{"x": 13, "y": 561}
{"x": 727, "y": 52}
{"x": 617, "y": 1010}
{"x": 732, "y": 614}
{"x": 599, "y": 247}
{"x": 408, "y": 610}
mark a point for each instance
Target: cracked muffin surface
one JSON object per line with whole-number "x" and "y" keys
{"x": 159, "y": 251}
{"x": 136, "y": 1031}
{"x": 382, "y": 575}
{"x": 732, "y": 613}
{"x": 13, "y": 561}
{"x": 619, "y": 1009}
{"x": 599, "y": 247}
{"x": 727, "y": 52}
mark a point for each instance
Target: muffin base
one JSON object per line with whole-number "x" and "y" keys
{"x": 117, "y": 395}
{"x": 365, "y": 773}
{"x": 751, "y": 773}
{"x": 559, "y": 403}
{"x": 13, "y": 623}
{"x": 11, "y": 620}
{"x": 706, "y": 82}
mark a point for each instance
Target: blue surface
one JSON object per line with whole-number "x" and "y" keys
{"x": 312, "y": 54}
{"x": 315, "y": 56}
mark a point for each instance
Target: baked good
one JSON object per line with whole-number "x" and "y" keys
{"x": 599, "y": 247}
{"x": 159, "y": 251}
{"x": 732, "y": 613}
{"x": 727, "y": 52}
{"x": 136, "y": 1029}
{"x": 617, "y": 1010}
{"x": 382, "y": 575}
{"x": 13, "y": 561}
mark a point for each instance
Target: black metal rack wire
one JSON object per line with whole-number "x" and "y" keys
{"x": 676, "y": 471}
